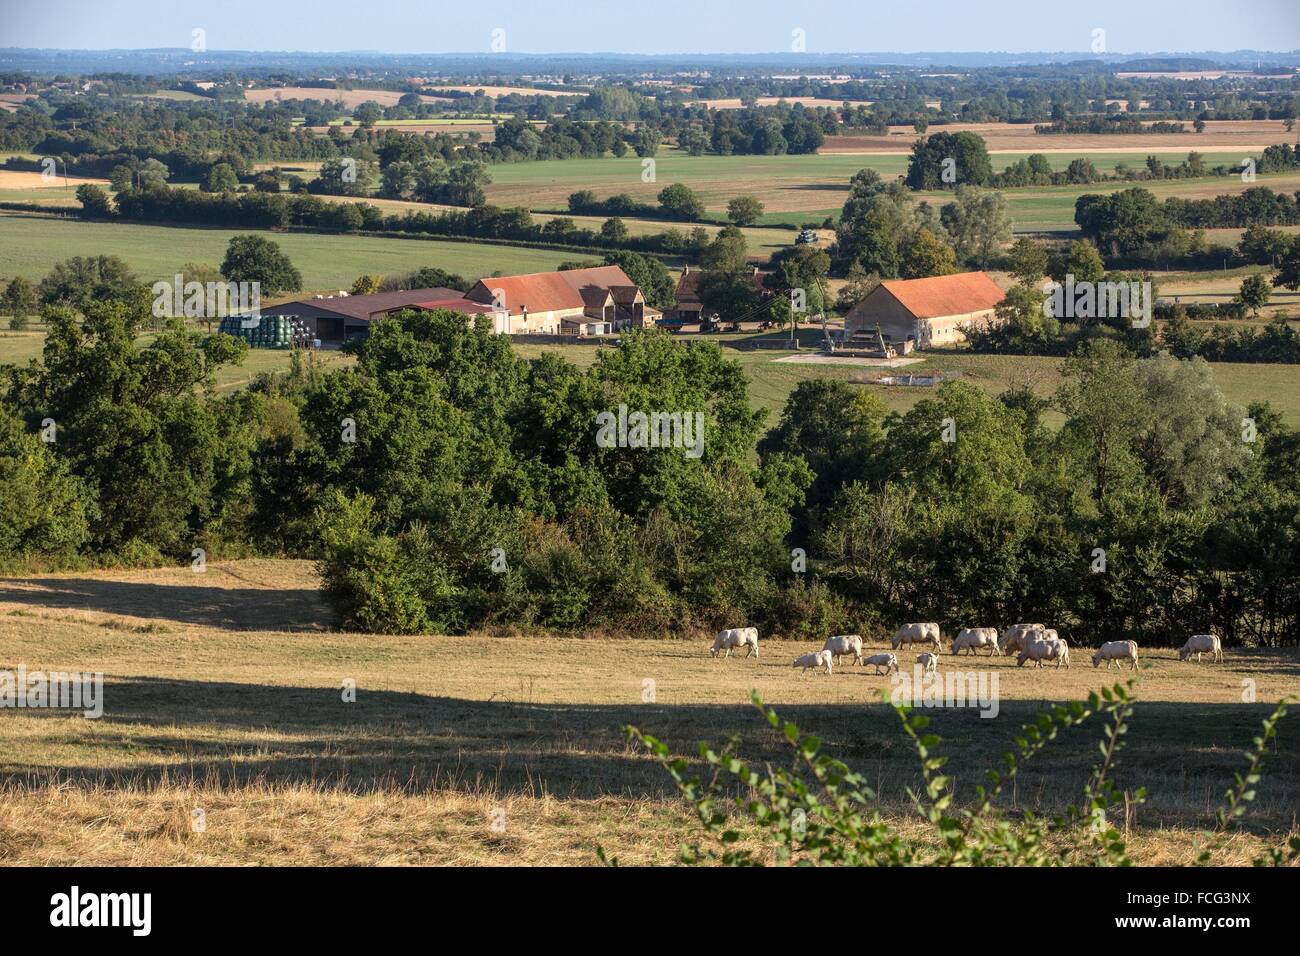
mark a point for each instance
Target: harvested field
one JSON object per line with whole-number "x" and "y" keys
{"x": 18, "y": 179}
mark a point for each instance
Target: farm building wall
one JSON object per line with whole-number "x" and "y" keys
{"x": 881, "y": 308}
{"x": 897, "y": 323}
{"x": 950, "y": 329}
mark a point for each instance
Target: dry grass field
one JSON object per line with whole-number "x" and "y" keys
{"x": 349, "y": 98}
{"x": 222, "y": 693}
{"x": 18, "y": 179}
{"x": 41, "y": 190}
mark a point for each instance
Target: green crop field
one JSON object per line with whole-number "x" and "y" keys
{"x": 1051, "y": 208}
{"x": 30, "y": 245}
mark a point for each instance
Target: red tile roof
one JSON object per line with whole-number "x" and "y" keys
{"x": 946, "y": 295}
{"x": 550, "y": 291}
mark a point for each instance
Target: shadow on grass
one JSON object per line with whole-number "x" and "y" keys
{"x": 266, "y": 609}
{"x": 157, "y": 729}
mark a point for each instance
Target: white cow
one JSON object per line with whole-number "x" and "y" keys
{"x": 973, "y": 638}
{"x": 843, "y": 644}
{"x": 1199, "y": 644}
{"x": 816, "y": 659}
{"x": 1038, "y": 651}
{"x": 929, "y": 662}
{"x": 1112, "y": 652}
{"x": 735, "y": 637}
{"x": 1014, "y": 638}
{"x": 888, "y": 661}
{"x": 916, "y": 634}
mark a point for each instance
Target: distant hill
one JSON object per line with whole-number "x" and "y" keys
{"x": 183, "y": 61}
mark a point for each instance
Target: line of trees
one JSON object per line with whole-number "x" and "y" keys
{"x": 258, "y": 210}
{"x": 471, "y": 491}
{"x": 883, "y": 232}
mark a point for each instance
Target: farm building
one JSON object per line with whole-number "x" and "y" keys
{"x": 579, "y": 302}
{"x": 928, "y": 312}
{"x": 332, "y": 319}
{"x": 689, "y": 308}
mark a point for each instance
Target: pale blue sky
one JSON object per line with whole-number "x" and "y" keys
{"x": 656, "y": 26}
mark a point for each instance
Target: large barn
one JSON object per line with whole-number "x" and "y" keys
{"x": 577, "y": 302}
{"x": 927, "y": 312}
{"x": 582, "y": 302}
{"x": 333, "y": 319}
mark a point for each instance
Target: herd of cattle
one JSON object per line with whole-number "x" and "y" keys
{"x": 1029, "y": 642}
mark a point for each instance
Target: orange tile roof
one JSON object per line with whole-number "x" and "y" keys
{"x": 550, "y": 291}
{"x": 946, "y": 295}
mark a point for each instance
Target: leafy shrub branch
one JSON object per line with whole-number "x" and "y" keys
{"x": 818, "y": 811}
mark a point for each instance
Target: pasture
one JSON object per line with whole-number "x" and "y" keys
{"x": 30, "y": 245}
{"x": 222, "y": 693}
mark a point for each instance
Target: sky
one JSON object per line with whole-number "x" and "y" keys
{"x": 657, "y": 26}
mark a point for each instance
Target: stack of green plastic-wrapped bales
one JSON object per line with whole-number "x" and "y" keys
{"x": 273, "y": 332}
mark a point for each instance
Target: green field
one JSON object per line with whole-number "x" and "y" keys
{"x": 30, "y": 245}
{"x": 771, "y": 382}
{"x": 796, "y": 189}
{"x": 54, "y": 197}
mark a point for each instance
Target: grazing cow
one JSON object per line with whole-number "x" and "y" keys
{"x": 888, "y": 661}
{"x": 816, "y": 659}
{"x": 973, "y": 638}
{"x": 843, "y": 644}
{"x": 1038, "y": 651}
{"x": 1014, "y": 638}
{"x": 1199, "y": 644}
{"x": 735, "y": 637}
{"x": 929, "y": 662}
{"x": 1112, "y": 652}
{"x": 916, "y": 634}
